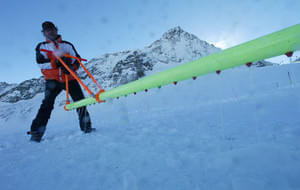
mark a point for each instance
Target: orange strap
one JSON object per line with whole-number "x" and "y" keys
{"x": 74, "y": 75}
{"x": 78, "y": 59}
{"x": 97, "y": 96}
{"x": 67, "y": 92}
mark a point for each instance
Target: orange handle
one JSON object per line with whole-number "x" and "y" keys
{"x": 74, "y": 75}
{"x": 78, "y": 59}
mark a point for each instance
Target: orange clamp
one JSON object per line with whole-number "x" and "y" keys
{"x": 97, "y": 96}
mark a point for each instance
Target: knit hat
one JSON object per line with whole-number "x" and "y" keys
{"x": 48, "y": 25}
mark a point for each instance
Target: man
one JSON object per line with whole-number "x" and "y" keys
{"x": 55, "y": 73}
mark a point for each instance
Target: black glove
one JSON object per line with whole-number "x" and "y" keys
{"x": 66, "y": 60}
{"x": 65, "y": 71}
{"x": 58, "y": 63}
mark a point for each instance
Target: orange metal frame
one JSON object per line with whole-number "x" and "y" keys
{"x": 97, "y": 95}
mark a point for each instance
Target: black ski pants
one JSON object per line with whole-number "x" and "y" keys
{"x": 52, "y": 90}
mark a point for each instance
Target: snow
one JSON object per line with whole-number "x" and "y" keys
{"x": 4, "y": 87}
{"x": 236, "y": 130}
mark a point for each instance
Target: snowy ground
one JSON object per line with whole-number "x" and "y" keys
{"x": 237, "y": 130}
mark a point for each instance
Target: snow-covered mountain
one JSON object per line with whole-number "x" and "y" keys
{"x": 174, "y": 47}
{"x": 6, "y": 86}
{"x": 23, "y": 91}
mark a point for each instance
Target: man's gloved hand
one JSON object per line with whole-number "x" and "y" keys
{"x": 66, "y": 60}
{"x": 58, "y": 63}
{"x": 65, "y": 71}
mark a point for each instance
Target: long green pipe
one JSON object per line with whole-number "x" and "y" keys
{"x": 271, "y": 45}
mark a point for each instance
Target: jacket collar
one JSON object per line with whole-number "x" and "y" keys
{"x": 57, "y": 40}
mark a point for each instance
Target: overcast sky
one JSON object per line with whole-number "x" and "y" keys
{"x": 96, "y": 27}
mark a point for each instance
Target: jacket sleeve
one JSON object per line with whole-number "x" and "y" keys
{"x": 73, "y": 52}
{"x": 40, "y": 58}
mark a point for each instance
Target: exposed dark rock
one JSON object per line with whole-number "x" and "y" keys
{"x": 131, "y": 68}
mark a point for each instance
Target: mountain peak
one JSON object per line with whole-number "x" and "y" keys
{"x": 174, "y": 31}
{"x": 177, "y": 33}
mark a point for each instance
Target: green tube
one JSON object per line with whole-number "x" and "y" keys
{"x": 271, "y": 45}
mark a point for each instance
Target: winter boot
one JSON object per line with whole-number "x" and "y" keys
{"x": 84, "y": 120}
{"x": 86, "y": 126}
{"x": 37, "y": 135}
